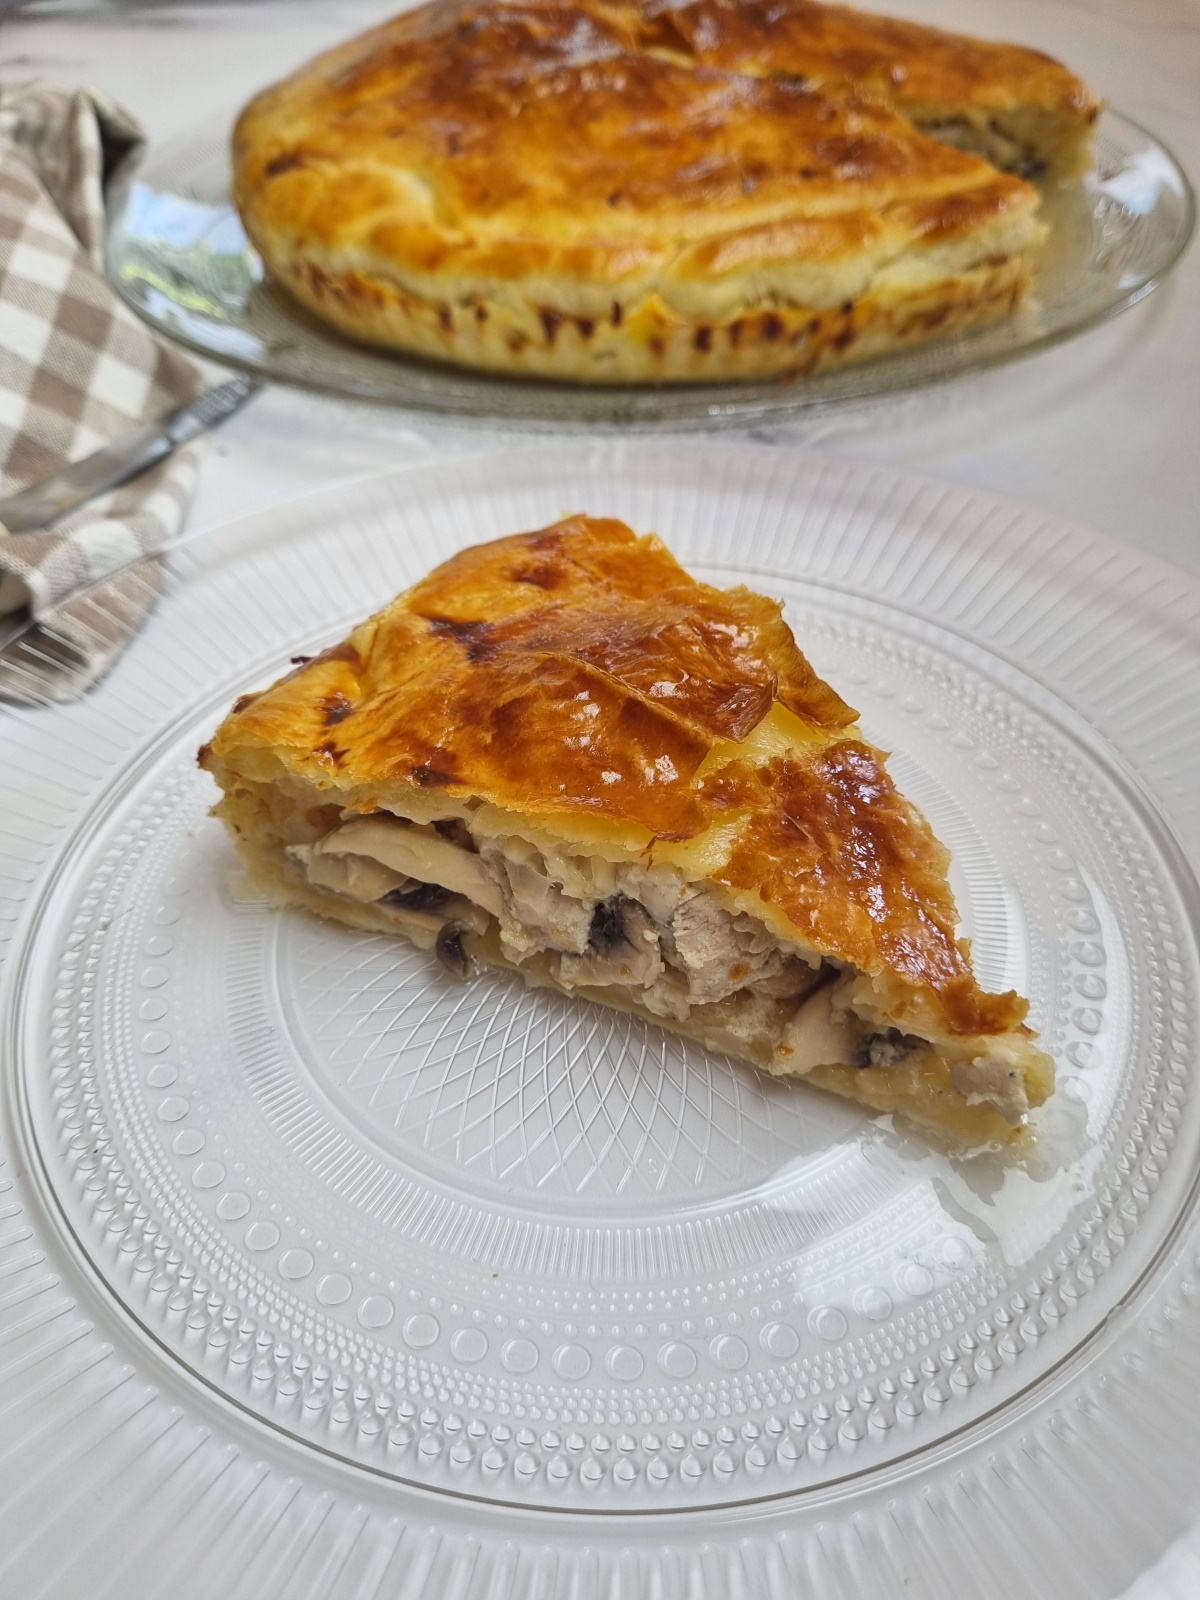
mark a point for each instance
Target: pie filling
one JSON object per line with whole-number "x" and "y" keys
{"x": 626, "y": 933}
{"x": 1003, "y": 146}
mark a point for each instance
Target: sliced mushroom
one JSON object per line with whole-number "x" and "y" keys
{"x": 451, "y": 954}
{"x": 357, "y": 877}
{"x": 608, "y": 924}
{"x": 818, "y": 1035}
{"x": 418, "y": 897}
{"x": 623, "y": 948}
{"x": 416, "y": 854}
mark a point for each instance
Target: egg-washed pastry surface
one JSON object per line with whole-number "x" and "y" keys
{"x": 607, "y": 191}
{"x": 561, "y": 754}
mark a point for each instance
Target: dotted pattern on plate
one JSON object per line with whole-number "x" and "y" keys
{"x": 535, "y": 1251}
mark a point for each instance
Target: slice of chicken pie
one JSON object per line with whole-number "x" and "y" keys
{"x": 559, "y": 753}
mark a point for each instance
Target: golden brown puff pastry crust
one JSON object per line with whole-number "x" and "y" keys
{"x": 578, "y": 682}
{"x": 599, "y": 190}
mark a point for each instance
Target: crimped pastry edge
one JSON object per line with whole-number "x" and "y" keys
{"x": 649, "y": 343}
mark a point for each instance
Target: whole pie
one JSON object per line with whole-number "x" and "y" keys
{"x": 562, "y": 755}
{"x": 614, "y": 191}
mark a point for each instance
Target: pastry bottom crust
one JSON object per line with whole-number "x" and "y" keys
{"x": 649, "y": 343}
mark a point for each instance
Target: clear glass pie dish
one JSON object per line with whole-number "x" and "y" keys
{"x": 177, "y": 254}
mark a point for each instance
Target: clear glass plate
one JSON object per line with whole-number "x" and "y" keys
{"x": 179, "y": 257}
{"x": 482, "y": 1252}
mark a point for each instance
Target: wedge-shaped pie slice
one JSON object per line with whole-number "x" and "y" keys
{"x": 609, "y": 191}
{"x": 561, "y": 754}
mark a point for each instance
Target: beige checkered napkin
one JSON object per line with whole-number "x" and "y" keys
{"x": 77, "y": 370}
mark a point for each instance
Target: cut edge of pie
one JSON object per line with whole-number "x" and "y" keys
{"x": 560, "y": 755}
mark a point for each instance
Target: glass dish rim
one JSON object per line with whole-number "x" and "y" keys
{"x": 682, "y": 410}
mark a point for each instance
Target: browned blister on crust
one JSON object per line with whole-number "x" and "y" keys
{"x": 574, "y": 698}
{"x": 611, "y": 191}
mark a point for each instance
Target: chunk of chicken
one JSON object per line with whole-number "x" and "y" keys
{"x": 992, "y": 1083}
{"x": 719, "y": 955}
{"x": 534, "y": 913}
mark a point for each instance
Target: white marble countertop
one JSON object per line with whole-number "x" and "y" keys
{"x": 1104, "y": 430}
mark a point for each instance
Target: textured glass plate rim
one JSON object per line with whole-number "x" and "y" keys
{"x": 1122, "y": 776}
{"x": 974, "y": 1431}
{"x": 492, "y": 397}
{"x": 906, "y": 1532}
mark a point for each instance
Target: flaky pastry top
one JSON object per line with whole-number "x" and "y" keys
{"x": 603, "y": 141}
